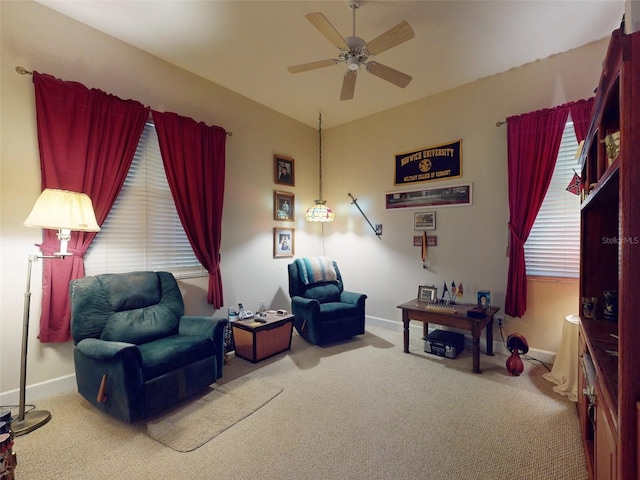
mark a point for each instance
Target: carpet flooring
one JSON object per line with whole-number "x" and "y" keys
{"x": 361, "y": 409}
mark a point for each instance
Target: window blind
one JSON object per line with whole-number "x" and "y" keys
{"x": 553, "y": 246}
{"x": 143, "y": 230}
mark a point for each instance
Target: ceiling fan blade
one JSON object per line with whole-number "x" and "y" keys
{"x": 389, "y": 74}
{"x": 311, "y": 66}
{"x": 348, "y": 85}
{"x": 319, "y": 21}
{"x": 392, "y": 37}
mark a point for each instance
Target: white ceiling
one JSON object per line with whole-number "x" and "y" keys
{"x": 246, "y": 46}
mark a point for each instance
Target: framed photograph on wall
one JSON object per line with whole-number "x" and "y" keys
{"x": 283, "y": 206}
{"x": 427, "y": 293}
{"x": 451, "y": 196}
{"x": 283, "y": 171}
{"x": 424, "y": 221}
{"x": 284, "y": 242}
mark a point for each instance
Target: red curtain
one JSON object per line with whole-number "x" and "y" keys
{"x": 87, "y": 141}
{"x": 194, "y": 160}
{"x": 533, "y": 143}
{"x": 581, "y": 116}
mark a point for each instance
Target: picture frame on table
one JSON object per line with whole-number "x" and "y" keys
{"x": 284, "y": 242}
{"x": 427, "y": 293}
{"x": 424, "y": 221}
{"x": 284, "y": 206}
{"x": 283, "y": 170}
{"x": 484, "y": 299}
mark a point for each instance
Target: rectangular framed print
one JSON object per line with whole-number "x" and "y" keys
{"x": 424, "y": 221}
{"x": 283, "y": 206}
{"x": 452, "y": 196}
{"x": 283, "y": 170}
{"x": 284, "y": 242}
{"x": 427, "y": 293}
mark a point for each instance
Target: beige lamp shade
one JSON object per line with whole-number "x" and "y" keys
{"x": 63, "y": 210}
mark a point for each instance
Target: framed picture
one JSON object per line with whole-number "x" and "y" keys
{"x": 424, "y": 221}
{"x": 283, "y": 206}
{"x": 432, "y": 240}
{"x": 284, "y": 242}
{"x": 484, "y": 299}
{"x": 427, "y": 293}
{"x": 283, "y": 170}
{"x": 452, "y": 196}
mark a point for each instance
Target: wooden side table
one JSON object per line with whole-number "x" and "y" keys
{"x": 255, "y": 341}
{"x": 417, "y": 310}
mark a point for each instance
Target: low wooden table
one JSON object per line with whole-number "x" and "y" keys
{"x": 256, "y": 341}
{"x": 416, "y": 310}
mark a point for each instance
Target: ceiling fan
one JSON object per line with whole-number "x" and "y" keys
{"x": 354, "y": 51}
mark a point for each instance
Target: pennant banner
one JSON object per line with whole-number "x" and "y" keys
{"x": 431, "y": 163}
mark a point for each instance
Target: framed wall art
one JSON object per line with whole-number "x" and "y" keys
{"x": 424, "y": 221}
{"x": 283, "y": 206}
{"x": 283, "y": 170}
{"x": 451, "y": 196}
{"x": 427, "y": 293}
{"x": 284, "y": 242}
{"x": 432, "y": 240}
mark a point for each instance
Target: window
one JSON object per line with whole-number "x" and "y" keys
{"x": 143, "y": 230}
{"x": 553, "y": 246}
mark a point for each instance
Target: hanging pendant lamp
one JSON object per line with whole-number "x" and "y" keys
{"x": 320, "y": 212}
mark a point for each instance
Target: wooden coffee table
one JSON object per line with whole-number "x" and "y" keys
{"x": 255, "y": 341}
{"x": 420, "y": 311}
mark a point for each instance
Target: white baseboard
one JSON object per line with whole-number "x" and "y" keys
{"x": 498, "y": 347}
{"x": 38, "y": 391}
{"x": 67, "y": 383}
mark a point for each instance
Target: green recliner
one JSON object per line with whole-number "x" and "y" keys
{"x": 135, "y": 352}
{"x": 324, "y": 311}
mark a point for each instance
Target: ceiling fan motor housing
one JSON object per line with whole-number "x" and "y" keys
{"x": 356, "y": 54}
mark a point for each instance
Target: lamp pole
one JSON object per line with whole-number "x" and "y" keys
{"x": 27, "y": 421}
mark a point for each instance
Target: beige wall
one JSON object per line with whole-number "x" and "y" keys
{"x": 40, "y": 39}
{"x": 472, "y": 241}
{"x": 358, "y": 159}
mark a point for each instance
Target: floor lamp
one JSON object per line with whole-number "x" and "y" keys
{"x": 64, "y": 211}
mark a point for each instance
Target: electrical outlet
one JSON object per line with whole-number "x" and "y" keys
{"x": 500, "y": 320}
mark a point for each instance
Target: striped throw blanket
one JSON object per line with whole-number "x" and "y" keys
{"x": 316, "y": 269}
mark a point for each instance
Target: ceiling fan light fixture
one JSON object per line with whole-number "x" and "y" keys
{"x": 353, "y": 62}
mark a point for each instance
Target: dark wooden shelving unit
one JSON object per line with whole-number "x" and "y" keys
{"x": 610, "y": 260}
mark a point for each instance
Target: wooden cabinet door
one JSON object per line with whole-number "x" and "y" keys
{"x": 606, "y": 464}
